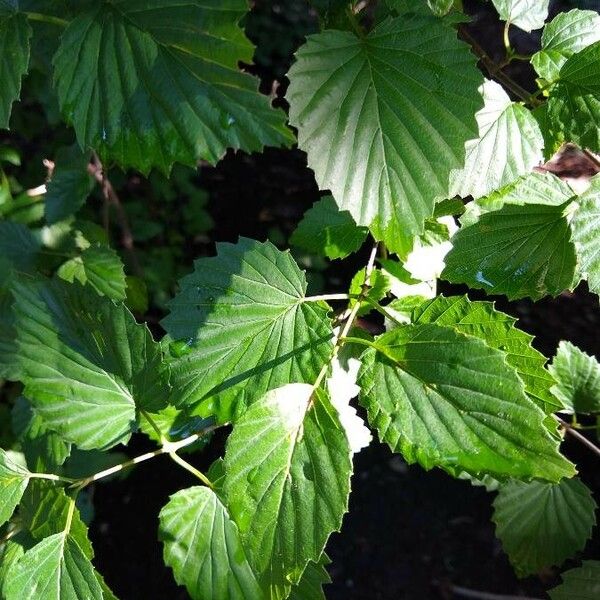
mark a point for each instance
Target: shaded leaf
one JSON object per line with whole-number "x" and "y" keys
{"x": 582, "y": 583}
{"x": 101, "y": 267}
{"x": 310, "y": 586}
{"x": 176, "y": 93}
{"x": 327, "y": 230}
{"x": 578, "y": 379}
{"x": 44, "y": 510}
{"x": 14, "y": 60}
{"x": 574, "y": 103}
{"x": 18, "y": 245}
{"x": 542, "y": 524}
{"x": 70, "y": 184}
{"x": 44, "y": 449}
{"x": 384, "y": 119}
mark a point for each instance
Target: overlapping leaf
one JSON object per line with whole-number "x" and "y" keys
{"x": 578, "y": 379}
{"x": 497, "y": 330}
{"x": 329, "y": 231}
{"x": 14, "y": 59}
{"x": 44, "y": 450}
{"x": 248, "y": 326}
{"x": 585, "y": 226}
{"x": 101, "y": 267}
{"x": 287, "y": 482}
{"x": 582, "y": 583}
{"x": 45, "y": 510}
{"x": 567, "y": 34}
{"x": 13, "y": 481}
{"x": 147, "y": 95}
{"x": 310, "y": 586}
{"x": 54, "y": 569}
{"x": 70, "y": 185}
{"x": 87, "y": 365}
{"x": 517, "y": 251}
{"x": 384, "y": 119}
{"x": 18, "y": 246}
{"x": 542, "y": 524}
{"x": 445, "y": 399}
{"x": 525, "y": 14}
{"x": 509, "y": 145}
{"x": 574, "y": 104}
{"x": 202, "y": 545}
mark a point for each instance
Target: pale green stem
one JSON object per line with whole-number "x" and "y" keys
{"x": 50, "y": 477}
{"x": 186, "y": 465}
{"x": 70, "y": 515}
{"x": 326, "y": 297}
{"x": 509, "y": 50}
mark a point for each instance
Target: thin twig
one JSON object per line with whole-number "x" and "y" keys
{"x": 96, "y": 169}
{"x": 495, "y": 70}
{"x": 467, "y": 593}
{"x": 578, "y": 436}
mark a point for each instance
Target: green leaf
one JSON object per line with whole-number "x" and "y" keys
{"x": 542, "y": 524}
{"x": 536, "y": 188}
{"x": 310, "y": 586}
{"x": 578, "y": 377}
{"x": 574, "y": 103}
{"x": 509, "y": 145}
{"x": 202, "y": 545}
{"x": 176, "y": 93}
{"x": 517, "y": 251}
{"x": 247, "y": 326}
{"x": 444, "y": 399}
{"x": 18, "y": 246}
{"x": 585, "y": 225}
{"x": 287, "y": 481}
{"x": 440, "y": 7}
{"x": 43, "y": 449}
{"x": 497, "y": 330}
{"x": 327, "y": 230}
{"x": 384, "y": 119}
{"x": 9, "y": 368}
{"x": 87, "y": 365}
{"x": 10, "y": 552}
{"x": 582, "y": 583}
{"x": 101, "y": 267}
{"x": 13, "y": 481}
{"x": 70, "y": 185}
{"x": 525, "y": 14}
{"x": 14, "y": 60}
{"x": 54, "y": 569}
{"x": 567, "y": 34}
{"x": 379, "y": 286}
{"x": 44, "y": 511}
